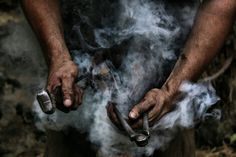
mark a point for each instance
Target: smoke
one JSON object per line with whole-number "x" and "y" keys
{"x": 21, "y": 55}
{"x": 155, "y": 31}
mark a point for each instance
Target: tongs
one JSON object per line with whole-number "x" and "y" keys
{"x": 47, "y": 103}
{"x": 141, "y": 137}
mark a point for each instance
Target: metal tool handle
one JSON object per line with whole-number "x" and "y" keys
{"x": 124, "y": 124}
{"x": 141, "y": 139}
{"x": 145, "y": 124}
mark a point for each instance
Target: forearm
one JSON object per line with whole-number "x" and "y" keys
{"x": 211, "y": 27}
{"x": 45, "y": 18}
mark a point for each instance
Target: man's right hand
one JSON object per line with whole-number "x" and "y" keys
{"x": 45, "y": 19}
{"x": 63, "y": 75}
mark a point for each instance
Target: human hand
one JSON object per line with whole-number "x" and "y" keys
{"x": 157, "y": 102}
{"x": 62, "y": 74}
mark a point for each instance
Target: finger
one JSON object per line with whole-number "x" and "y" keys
{"x": 154, "y": 113}
{"x": 137, "y": 124}
{"x": 53, "y": 83}
{"x": 78, "y": 97}
{"x": 157, "y": 113}
{"x": 67, "y": 90}
{"x": 140, "y": 108}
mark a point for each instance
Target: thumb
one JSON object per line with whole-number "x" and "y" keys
{"x": 139, "y": 109}
{"x": 67, "y": 90}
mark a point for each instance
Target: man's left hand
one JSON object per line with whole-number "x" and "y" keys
{"x": 156, "y": 103}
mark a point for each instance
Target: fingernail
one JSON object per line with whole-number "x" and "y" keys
{"x": 133, "y": 115}
{"x": 67, "y": 102}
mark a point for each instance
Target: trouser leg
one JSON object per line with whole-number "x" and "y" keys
{"x": 56, "y": 145}
{"x": 183, "y": 145}
{"x": 74, "y": 144}
{"x": 68, "y": 144}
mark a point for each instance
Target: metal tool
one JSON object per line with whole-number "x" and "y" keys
{"x": 46, "y": 102}
{"x": 49, "y": 101}
{"x": 140, "y": 138}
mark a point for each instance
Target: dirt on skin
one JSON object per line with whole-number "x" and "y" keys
{"x": 19, "y": 80}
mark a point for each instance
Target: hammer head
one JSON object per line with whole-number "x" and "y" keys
{"x": 46, "y": 102}
{"x": 49, "y": 101}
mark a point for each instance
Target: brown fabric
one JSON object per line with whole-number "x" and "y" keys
{"x": 182, "y": 146}
{"x": 74, "y": 144}
{"x": 68, "y": 143}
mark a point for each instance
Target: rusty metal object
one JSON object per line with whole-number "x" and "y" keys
{"x": 140, "y": 138}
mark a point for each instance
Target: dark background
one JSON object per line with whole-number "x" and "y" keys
{"x": 22, "y": 70}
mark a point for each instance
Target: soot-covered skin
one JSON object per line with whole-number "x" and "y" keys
{"x": 155, "y": 30}
{"x": 92, "y": 18}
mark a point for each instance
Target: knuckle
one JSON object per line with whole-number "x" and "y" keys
{"x": 68, "y": 75}
{"x": 73, "y": 74}
{"x": 149, "y": 99}
{"x": 65, "y": 76}
{"x": 66, "y": 95}
{"x": 67, "y": 90}
{"x": 52, "y": 82}
{"x": 57, "y": 74}
{"x": 143, "y": 105}
{"x": 150, "y": 94}
{"x": 155, "y": 90}
{"x": 74, "y": 67}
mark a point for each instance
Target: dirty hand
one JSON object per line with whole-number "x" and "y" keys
{"x": 63, "y": 75}
{"x": 156, "y": 103}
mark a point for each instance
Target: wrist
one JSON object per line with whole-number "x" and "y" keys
{"x": 171, "y": 88}
{"x": 58, "y": 57}
{"x": 55, "y": 50}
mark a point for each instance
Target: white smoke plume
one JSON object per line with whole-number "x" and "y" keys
{"x": 156, "y": 32}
